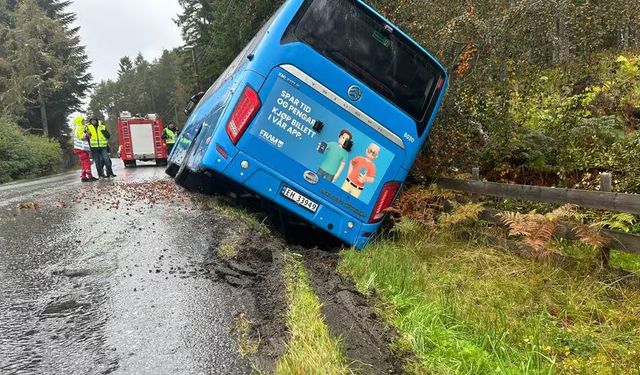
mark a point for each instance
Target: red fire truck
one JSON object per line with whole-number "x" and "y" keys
{"x": 141, "y": 139}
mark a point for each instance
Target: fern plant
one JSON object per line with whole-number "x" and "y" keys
{"x": 406, "y": 227}
{"x": 462, "y": 222}
{"x": 422, "y": 205}
{"x": 619, "y": 221}
{"x": 537, "y": 230}
{"x": 462, "y": 214}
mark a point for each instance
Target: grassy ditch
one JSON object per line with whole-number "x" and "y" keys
{"x": 311, "y": 349}
{"x": 477, "y": 310}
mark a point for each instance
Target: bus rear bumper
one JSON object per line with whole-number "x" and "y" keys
{"x": 267, "y": 183}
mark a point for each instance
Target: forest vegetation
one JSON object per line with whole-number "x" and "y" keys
{"x": 143, "y": 87}
{"x": 544, "y": 93}
{"x": 43, "y": 78}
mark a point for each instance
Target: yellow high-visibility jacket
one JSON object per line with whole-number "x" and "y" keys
{"x": 79, "y": 140}
{"x": 98, "y": 140}
{"x": 171, "y": 136}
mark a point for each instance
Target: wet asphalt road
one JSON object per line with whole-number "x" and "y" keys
{"x": 110, "y": 277}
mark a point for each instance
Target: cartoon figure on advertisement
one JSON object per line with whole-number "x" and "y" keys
{"x": 335, "y": 156}
{"x": 362, "y": 171}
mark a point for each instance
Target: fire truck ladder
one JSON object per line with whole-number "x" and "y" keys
{"x": 126, "y": 135}
{"x": 157, "y": 139}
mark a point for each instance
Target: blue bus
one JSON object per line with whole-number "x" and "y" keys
{"x": 322, "y": 113}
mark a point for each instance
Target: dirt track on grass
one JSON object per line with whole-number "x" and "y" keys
{"x": 256, "y": 275}
{"x": 365, "y": 337}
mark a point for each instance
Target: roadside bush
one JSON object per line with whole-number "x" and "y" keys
{"x": 23, "y": 155}
{"x": 553, "y": 126}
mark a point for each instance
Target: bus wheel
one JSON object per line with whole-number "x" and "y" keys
{"x": 172, "y": 169}
{"x": 183, "y": 175}
{"x": 129, "y": 163}
{"x": 161, "y": 162}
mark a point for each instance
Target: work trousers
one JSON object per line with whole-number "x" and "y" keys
{"x": 85, "y": 163}
{"x": 169, "y": 148}
{"x": 102, "y": 160}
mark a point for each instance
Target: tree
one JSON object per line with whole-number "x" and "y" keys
{"x": 46, "y": 66}
{"x": 125, "y": 66}
{"x": 142, "y": 87}
{"x": 218, "y": 30}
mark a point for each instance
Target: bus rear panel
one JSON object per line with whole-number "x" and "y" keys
{"x": 325, "y": 117}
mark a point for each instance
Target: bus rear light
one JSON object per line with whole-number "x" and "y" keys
{"x": 440, "y": 84}
{"x": 387, "y": 195}
{"x": 244, "y": 111}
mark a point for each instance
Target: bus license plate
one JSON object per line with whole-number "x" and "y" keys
{"x": 300, "y": 199}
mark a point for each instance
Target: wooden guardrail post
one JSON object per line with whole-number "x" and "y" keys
{"x": 475, "y": 175}
{"x": 605, "y": 185}
{"x": 605, "y": 182}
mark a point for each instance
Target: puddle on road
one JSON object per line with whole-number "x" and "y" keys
{"x": 47, "y": 319}
{"x": 99, "y": 282}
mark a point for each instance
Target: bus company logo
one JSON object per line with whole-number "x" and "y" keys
{"x": 355, "y": 93}
{"x": 311, "y": 177}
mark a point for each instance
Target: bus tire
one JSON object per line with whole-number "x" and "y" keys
{"x": 130, "y": 163}
{"x": 161, "y": 162}
{"x": 182, "y": 176}
{"x": 187, "y": 178}
{"x": 172, "y": 169}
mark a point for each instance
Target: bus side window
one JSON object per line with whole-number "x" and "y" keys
{"x": 193, "y": 102}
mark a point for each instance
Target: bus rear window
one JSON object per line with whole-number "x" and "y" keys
{"x": 352, "y": 37}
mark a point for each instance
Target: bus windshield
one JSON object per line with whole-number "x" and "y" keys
{"x": 348, "y": 34}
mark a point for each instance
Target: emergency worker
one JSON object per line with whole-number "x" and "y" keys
{"x": 81, "y": 148}
{"x": 170, "y": 135}
{"x": 99, "y": 147}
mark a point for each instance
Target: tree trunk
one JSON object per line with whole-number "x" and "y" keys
{"x": 43, "y": 113}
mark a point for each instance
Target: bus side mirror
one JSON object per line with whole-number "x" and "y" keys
{"x": 193, "y": 102}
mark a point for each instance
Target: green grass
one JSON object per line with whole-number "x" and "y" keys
{"x": 629, "y": 262}
{"x": 226, "y": 206}
{"x": 242, "y": 328}
{"x": 618, "y": 259}
{"x": 475, "y": 310}
{"x": 310, "y": 349}
{"x": 230, "y": 246}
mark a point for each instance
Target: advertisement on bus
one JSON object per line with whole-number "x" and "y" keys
{"x": 321, "y": 141}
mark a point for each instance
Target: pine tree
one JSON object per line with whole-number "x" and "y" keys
{"x": 218, "y": 30}
{"x": 47, "y": 67}
{"x": 124, "y": 66}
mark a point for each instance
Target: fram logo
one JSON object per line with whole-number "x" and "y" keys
{"x": 355, "y": 93}
{"x": 311, "y": 177}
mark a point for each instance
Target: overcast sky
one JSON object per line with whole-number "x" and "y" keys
{"x": 111, "y": 29}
